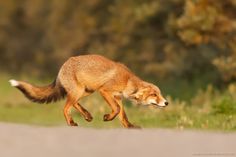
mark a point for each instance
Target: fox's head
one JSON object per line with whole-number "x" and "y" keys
{"x": 149, "y": 94}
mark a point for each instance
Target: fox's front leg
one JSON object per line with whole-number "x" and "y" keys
{"x": 113, "y": 104}
{"x": 123, "y": 117}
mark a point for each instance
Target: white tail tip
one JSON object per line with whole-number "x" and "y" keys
{"x": 14, "y": 83}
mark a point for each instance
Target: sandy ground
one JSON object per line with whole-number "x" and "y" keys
{"x": 33, "y": 141}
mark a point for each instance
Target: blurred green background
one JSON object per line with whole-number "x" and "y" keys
{"x": 186, "y": 47}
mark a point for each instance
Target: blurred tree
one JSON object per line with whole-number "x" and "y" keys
{"x": 163, "y": 39}
{"x": 212, "y": 22}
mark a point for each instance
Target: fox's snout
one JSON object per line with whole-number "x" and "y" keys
{"x": 163, "y": 103}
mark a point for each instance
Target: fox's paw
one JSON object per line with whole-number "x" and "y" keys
{"x": 131, "y": 126}
{"x": 106, "y": 117}
{"x": 88, "y": 117}
{"x": 72, "y": 123}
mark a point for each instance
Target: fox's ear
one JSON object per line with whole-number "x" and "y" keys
{"x": 135, "y": 96}
{"x": 138, "y": 95}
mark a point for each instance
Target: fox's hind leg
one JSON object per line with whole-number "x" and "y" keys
{"x": 87, "y": 116}
{"x": 67, "y": 109}
{"x": 112, "y": 103}
{"x": 73, "y": 96}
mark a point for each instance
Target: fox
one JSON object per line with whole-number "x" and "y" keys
{"x": 82, "y": 75}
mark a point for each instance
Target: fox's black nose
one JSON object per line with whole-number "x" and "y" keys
{"x": 166, "y": 103}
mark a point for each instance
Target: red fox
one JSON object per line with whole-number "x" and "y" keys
{"x": 82, "y": 75}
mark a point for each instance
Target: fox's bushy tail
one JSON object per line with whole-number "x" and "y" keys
{"x": 46, "y": 94}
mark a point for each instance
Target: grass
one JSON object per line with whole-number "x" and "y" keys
{"x": 207, "y": 110}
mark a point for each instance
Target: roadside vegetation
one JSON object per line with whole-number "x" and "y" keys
{"x": 208, "y": 109}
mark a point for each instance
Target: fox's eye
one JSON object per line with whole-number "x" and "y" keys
{"x": 153, "y": 94}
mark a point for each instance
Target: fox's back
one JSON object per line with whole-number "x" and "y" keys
{"x": 92, "y": 70}
{"x": 95, "y": 64}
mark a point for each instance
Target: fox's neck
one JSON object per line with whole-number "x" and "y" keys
{"x": 137, "y": 81}
{"x": 133, "y": 85}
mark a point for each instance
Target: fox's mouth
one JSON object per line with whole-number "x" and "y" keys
{"x": 156, "y": 105}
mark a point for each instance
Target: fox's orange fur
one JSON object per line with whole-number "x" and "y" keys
{"x": 82, "y": 75}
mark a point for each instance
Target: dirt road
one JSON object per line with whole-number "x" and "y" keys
{"x": 33, "y": 141}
